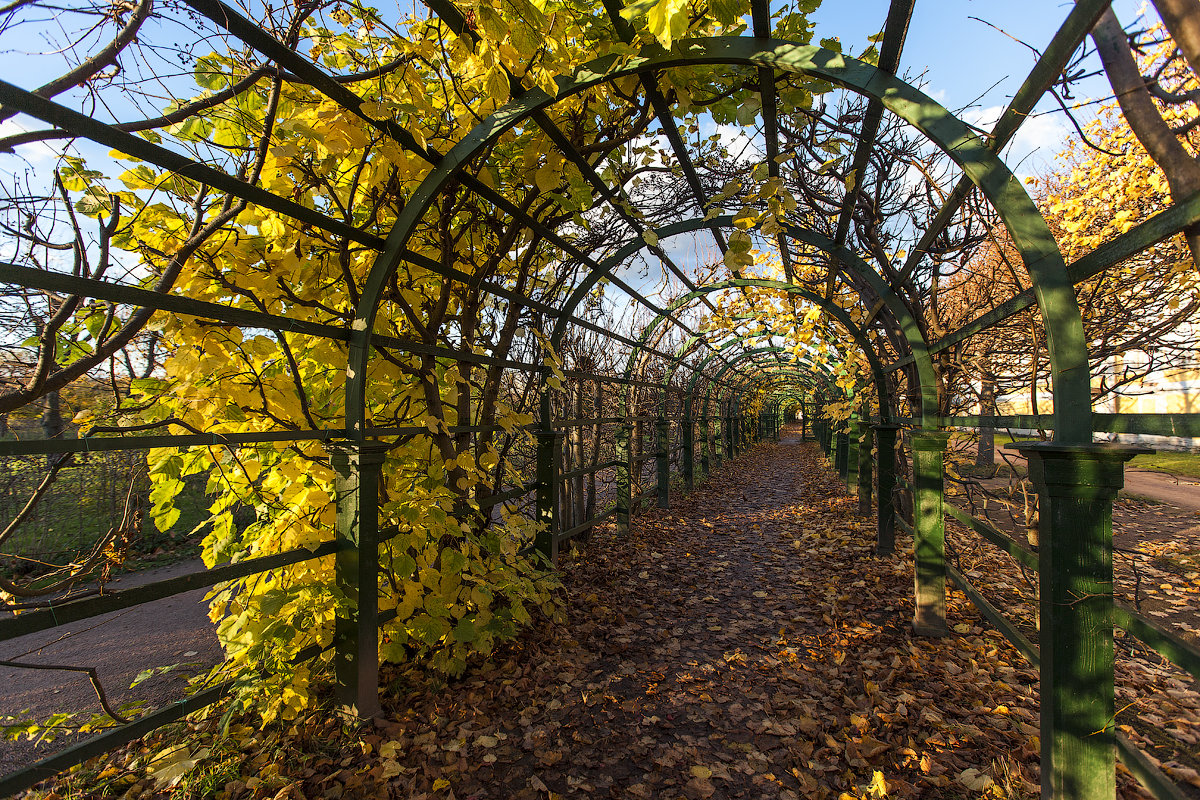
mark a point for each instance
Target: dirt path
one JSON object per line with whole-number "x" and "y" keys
{"x": 745, "y": 643}
{"x": 1176, "y": 490}
{"x": 175, "y": 630}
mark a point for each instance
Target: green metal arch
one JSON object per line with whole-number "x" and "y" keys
{"x": 770, "y": 373}
{"x": 832, "y": 309}
{"x": 717, "y": 348}
{"x": 731, "y": 342}
{"x": 1030, "y": 235}
{"x": 918, "y": 347}
{"x": 740, "y": 357}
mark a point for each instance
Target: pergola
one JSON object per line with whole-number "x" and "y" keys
{"x": 710, "y": 392}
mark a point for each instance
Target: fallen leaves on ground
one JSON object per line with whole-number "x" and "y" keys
{"x": 746, "y": 643}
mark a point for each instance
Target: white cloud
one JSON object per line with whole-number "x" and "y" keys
{"x": 38, "y": 154}
{"x": 1036, "y": 143}
{"x": 1038, "y": 139}
{"x": 739, "y": 144}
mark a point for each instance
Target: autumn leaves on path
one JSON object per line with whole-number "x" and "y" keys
{"x": 745, "y": 643}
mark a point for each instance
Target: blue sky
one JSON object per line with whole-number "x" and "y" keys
{"x": 959, "y": 58}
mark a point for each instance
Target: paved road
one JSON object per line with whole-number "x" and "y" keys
{"x": 119, "y": 645}
{"x": 1176, "y": 490}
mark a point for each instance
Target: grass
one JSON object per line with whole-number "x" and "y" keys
{"x": 1169, "y": 461}
{"x": 86, "y": 501}
{"x": 1186, "y": 464}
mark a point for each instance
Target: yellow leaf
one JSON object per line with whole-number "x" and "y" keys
{"x": 878, "y": 787}
{"x": 667, "y": 21}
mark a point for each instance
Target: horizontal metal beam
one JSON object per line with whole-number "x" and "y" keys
{"x": 1157, "y": 229}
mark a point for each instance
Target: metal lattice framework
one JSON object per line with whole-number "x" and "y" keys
{"x": 708, "y": 392}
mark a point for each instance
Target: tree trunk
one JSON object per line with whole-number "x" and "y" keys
{"x": 1152, "y": 131}
{"x": 986, "y": 457}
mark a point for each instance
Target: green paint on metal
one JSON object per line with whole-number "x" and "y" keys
{"x": 1076, "y": 486}
{"x": 929, "y": 541}
{"x": 358, "y": 468}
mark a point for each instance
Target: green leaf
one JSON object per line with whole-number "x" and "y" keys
{"x": 465, "y": 631}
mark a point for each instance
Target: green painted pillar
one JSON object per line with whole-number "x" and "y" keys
{"x": 850, "y": 472}
{"x": 863, "y": 486}
{"x": 662, "y": 460}
{"x": 885, "y": 485}
{"x": 706, "y": 429}
{"x": 841, "y": 453}
{"x": 718, "y": 442}
{"x": 624, "y": 475}
{"x": 358, "y": 468}
{"x": 1076, "y": 485}
{"x": 688, "y": 434}
{"x": 549, "y": 450}
{"x": 929, "y": 546}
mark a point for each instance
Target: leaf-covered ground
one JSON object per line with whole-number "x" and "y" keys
{"x": 744, "y": 643}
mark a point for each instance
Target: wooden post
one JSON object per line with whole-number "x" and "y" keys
{"x": 864, "y": 467}
{"x": 549, "y": 442}
{"x": 662, "y": 460}
{"x": 624, "y": 477}
{"x": 589, "y": 511}
{"x": 1076, "y": 485}
{"x": 929, "y": 545}
{"x": 358, "y": 467}
{"x": 885, "y": 485}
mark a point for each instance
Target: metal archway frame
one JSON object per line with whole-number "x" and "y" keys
{"x": 832, "y": 309}
{"x": 1031, "y": 236}
{"x": 918, "y": 347}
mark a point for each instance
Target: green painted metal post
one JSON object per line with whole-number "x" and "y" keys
{"x": 1076, "y": 485}
{"x": 850, "y": 471}
{"x": 864, "y": 468}
{"x": 688, "y": 433}
{"x": 841, "y": 453}
{"x": 706, "y": 429}
{"x": 549, "y": 449}
{"x": 358, "y": 467}
{"x": 718, "y": 442}
{"x": 662, "y": 460}
{"x": 929, "y": 547}
{"x": 624, "y": 475}
{"x": 885, "y": 485}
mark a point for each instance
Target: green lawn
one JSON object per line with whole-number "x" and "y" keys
{"x": 1175, "y": 463}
